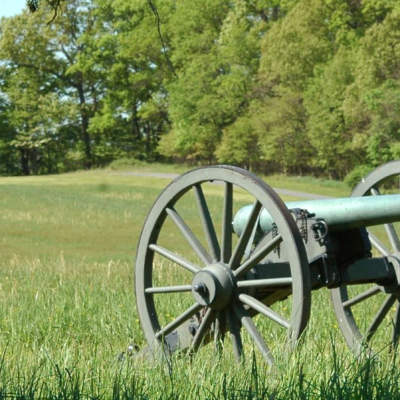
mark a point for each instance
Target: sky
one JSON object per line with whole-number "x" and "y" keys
{"x": 11, "y": 7}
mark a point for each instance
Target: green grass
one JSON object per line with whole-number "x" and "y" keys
{"x": 309, "y": 184}
{"x": 67, "y": 307}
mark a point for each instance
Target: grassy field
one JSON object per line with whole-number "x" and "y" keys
{"x": 67, "y": 307}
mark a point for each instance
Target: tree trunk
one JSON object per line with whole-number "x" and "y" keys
{"x": 25, "y": 161}
{"x": 275, "y": 13}
{"x": 148, "y": 140}
{"x": 33, "y": 156}
{"x": 85, "y": 126}
{"x": 86, "y": 138}
{"x": 135, "y": 124}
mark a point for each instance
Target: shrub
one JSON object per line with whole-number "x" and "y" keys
{"x": 125, "y": 163}
{"x": 355, "y": 176}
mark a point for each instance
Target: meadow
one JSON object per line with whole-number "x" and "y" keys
{"x": 68, "y": 311}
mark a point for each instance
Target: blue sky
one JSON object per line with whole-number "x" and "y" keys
{"x": 11, "y": 7}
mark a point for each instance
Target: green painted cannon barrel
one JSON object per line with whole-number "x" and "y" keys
{"x": 338, "y": 213}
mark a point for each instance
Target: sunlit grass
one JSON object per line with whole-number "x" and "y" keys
{"x": 67, "y": 306}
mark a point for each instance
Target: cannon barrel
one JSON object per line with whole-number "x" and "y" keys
{"x": 339, "y": 213}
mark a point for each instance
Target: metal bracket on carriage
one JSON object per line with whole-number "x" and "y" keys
{"x": 329, "y": 274}
{"x": 302, "y": 216}
{"x": 320, "y": 229}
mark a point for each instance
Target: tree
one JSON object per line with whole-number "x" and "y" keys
{"x": 292, "y": 85}
{"x": 53, "y": 51}
{"x": 373, "y": 100}
{"x": 35, "y": 116}
{"x": 299, "y": 95}
{"x": 290, "y": 51}
{"x": 128, "y": 54}
{"x": 335, "y": 144}
{"x": 9, "y": 160}
{"x": 239, "y": 144}
{"x": 215, "y": 50}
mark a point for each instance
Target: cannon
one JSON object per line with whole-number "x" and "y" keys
{"x": 245, "y": 267}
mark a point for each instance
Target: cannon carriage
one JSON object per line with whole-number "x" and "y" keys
{"x": 248, "y": 253}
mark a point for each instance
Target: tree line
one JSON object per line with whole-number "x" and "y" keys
{"x": 296, "y": 86}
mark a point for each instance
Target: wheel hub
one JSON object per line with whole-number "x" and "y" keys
{"x": 213, "y": 286}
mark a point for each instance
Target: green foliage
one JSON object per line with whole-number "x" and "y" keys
{"x": 132, "y": 112}
{"x": 216, "y": 66}
{"x": 87, "y": 60}
{"x": 9, "y": 161}
{"x": 297, "y": 86}
{"x": 125, "y": 163}
{"x": 45, "y": 92}
{"x": 280, "y": 130}
{"x": 239, "y": 144}
{"x": 295, "y": 45}
{"x": 291, "y": 51}
{"x": 355, "y": 176}
{"x": 330, "y": 136}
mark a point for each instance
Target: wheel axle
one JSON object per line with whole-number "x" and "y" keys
{"x": 200, "y": 288}
{"x": 213, "y": 286}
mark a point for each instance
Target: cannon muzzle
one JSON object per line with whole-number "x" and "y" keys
{"x": 339, "y": 213}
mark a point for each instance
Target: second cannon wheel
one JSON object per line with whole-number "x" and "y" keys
{"x": 369, "y": 315}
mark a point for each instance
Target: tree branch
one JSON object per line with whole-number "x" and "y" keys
{"x": 33, "y": 6}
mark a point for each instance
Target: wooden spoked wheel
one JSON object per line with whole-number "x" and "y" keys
{"x": 369, "y": 315}
{"x": 194, "y": 277}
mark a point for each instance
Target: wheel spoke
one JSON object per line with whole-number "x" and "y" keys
{"x": 179, "y": 320}
{"x": 362, "y": 296}
{"x": 378, "y": 244}
{"x": 380, "y": 316}
{"x": 208, "y": 225}
{"x": 250, "y": 242}
{"x": 169, "y": 289}
{"x": 248, "y": 323}
{"x": 189, "y": 236}
{"x": 258, "y": 255}
{"x": 392, "y": 234}
{"x": 234, "y": 331}
{"x": 264, "y": 282}
{"x": 263, "y": 309}
{"x": 175, "y": 258}
{"x": 219, "y": 331}
{"x": 203, "y": 328}
{"x": 245, "y": 236}
{"x": 396, "y": 327}
{"x": 227, "y": 224}
{"x": 390, "y": 231}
